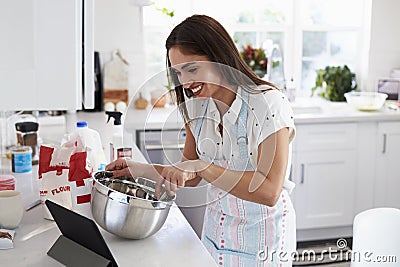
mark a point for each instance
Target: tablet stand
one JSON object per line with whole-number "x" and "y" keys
{"x": 70, "y": 253}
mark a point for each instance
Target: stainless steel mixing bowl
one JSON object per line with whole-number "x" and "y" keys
{"x": 127, "y": 207}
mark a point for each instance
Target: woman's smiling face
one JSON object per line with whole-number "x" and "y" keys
{"x": 195, "y": 73}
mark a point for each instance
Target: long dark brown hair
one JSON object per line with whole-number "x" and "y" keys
{"x": 204, "y": 36}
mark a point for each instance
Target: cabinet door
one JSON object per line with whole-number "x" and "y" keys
{"x": 387, "y": 176}
{"x": 41, "y": 54}
{"x": 325, "y": 186}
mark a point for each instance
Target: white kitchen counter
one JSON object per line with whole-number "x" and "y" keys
{"x": 318, "y": 110}
{"x": 175, "y": 244}
{"x": 306, "y": 110}
{"x": 168, "y": 117}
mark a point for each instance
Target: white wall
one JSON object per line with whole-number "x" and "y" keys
{"x": 384, "y": 51}
{"x": 118, "y": 25}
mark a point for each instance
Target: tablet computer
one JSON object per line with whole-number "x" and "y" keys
{"x": 81, "y": 230}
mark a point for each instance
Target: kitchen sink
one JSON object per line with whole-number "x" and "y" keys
{"x": 306, "y": 110}
{"x": 307, "y": 105}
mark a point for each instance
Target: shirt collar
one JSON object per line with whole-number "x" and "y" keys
{"x": 233, "y": 112}
{"x": 213, "y": 113}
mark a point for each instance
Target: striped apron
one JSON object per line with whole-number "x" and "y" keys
{"x": 237, "y": 232}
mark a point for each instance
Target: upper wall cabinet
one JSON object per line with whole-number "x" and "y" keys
{"x": 46, "y": 54}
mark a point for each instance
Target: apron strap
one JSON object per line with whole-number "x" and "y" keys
{"x": 241, "y": 125}
{"x": 199, "y": 122}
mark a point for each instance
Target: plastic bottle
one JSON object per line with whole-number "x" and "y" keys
{"x": 91, "y": 139}
{"x": 116, "y": 139}
{"x": 291, "y": 90}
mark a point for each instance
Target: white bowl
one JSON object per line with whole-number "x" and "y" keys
{"x": 366, "y": 101}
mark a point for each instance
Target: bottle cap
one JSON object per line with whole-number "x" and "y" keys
{"x": 81, "y": 124}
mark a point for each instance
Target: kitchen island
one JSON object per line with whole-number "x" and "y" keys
{"x": 344, "y": 161}
{"x": 175, "y": 244}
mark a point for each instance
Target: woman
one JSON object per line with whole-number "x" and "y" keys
{"x": 239, "y": 128}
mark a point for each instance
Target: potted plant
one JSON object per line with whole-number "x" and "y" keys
{"x": 334, "y": 82}
{"x": 256, "y": 59}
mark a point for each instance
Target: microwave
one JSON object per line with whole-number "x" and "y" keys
{"x": 390, "y": 86}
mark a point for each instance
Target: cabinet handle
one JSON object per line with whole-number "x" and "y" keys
{"x": 164, "y": 147}
{"x": 290, "y": 174}
{"x": 88, "y": 39}
{"x": 384, "y": 144}
{"x": 302, "y": 173}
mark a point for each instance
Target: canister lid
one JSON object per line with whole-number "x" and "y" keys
{"x": 21, "y": 149}
{"x": 6, "y": 179}
{"x": 27, "y": 126}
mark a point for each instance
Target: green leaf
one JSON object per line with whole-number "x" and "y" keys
{"x": 339, "y": 80}
{"x": 167, "y": 12}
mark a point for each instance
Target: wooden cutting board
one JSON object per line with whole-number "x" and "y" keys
{"x": 116, "y": 72}
{"x": 116, "y": 95}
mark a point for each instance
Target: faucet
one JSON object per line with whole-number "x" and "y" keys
{"x": 275, "y": 67}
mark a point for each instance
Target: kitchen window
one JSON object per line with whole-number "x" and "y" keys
{"x": 311, "y": 33}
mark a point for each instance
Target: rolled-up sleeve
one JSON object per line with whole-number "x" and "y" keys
{"x": 278, "y": 115}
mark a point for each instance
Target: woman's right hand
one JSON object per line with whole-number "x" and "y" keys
{"x": 119, "y": 167}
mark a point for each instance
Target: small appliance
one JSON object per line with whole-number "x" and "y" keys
{"x": 389, "y": 86}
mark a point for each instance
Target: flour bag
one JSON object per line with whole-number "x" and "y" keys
{"x": 65, "y": 176}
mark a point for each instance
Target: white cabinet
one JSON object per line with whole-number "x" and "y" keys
{"x": 325, "y": 189}
{"x": 44, "y": 45}
{"x": 387, "y": 176}
{"x": 324, "y": 170}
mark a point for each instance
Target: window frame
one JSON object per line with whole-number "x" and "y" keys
{"x": 293, "y": 31}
